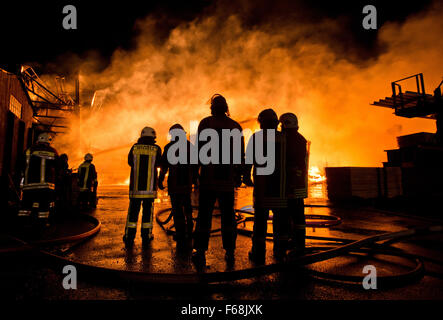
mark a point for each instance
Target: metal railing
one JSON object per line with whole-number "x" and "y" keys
{"x": 420, "y": 90}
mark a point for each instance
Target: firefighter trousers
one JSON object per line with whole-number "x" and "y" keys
{"x": 207, "y": 199}
{"x": 280, "y": 229}
{"x": 182, "y": 213}
{"x": 132, "y": 218}
{"x": 297, "y": 222}
{"x": 87, "y": 199}
{"x": 37, "y": 205}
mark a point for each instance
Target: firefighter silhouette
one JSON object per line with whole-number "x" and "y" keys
{"x": 38, "y": 183}
{"x": 144, "y": 159}
{"x": 217, "y": 182}
{"x": 180, "y": 180}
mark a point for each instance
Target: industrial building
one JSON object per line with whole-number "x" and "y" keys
{"x": 16, "y": 129}
{"x": 27, "y": 107}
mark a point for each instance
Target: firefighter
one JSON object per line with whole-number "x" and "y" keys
{"x": 63, "y": 186}
{"x": 296, "y": 180}
{"x": 87, "y": 182}
{"x": 38, "y": 181}
{"x": 144, "y": 159}
{"x": 269, "y": 191}
{"x": 217, "y": 182}
{"x": 180, "y": 180}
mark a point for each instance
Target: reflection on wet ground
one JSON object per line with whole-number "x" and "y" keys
{"x": 107, "y": 250}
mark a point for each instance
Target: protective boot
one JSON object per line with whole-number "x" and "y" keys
{"x": 256, "y": 257}
{"x": 230, "y": 256}
{"x": 129, "y": 242}
{"x": 199, "y": 258}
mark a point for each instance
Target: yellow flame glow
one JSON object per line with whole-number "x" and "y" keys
{"x": 314, "y": 175}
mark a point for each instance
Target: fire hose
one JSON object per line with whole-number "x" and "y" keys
{"x": 366, "y": 245}
{"x": 313, "y": 220}
{"x": 324, "y": 221}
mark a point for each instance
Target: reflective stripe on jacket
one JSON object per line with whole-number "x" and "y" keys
{"x": 86, "y": 176}
{"x": 40, "y": 168}
{"x": 144, "y": 158}
{"x": 297, "y": 158}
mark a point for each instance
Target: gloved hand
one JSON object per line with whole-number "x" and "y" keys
{"x": 160, "y": 185}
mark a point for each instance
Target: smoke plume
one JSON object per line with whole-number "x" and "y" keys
{"x": 291, "y": 66}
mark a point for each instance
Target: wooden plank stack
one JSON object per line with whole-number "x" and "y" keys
{"x": 410, "y": 104}
{"x": 363, "y": 182}
{"x": 416, "y": 139}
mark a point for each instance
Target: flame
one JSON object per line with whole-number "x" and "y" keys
{"x": 315, "y": 176}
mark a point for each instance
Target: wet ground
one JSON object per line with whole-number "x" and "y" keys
{"x": 26, "y": 277}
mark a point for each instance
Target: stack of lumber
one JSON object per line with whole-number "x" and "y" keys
{"x": 416, "y": 150}
{"x": 422, "y": 181}
{"x": 416, "y": 139}
{"x": 410, "y": 104}
{"x": 363, "y": 182}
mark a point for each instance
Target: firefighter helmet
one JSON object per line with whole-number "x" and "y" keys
{"x": 44, "y": 138}
{"x": 289, "y": 120}
{"x": 176, "y": 126}
{"x": 88, "y": 157}
{"x": 268, "y": 118}
{"x": 148, "y": 132}
{"x": 219, "y": 104}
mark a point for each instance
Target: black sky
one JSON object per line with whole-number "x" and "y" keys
{"x": 32, "y": 32}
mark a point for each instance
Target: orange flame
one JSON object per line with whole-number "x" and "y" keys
{"x": 315, "y": 176}
{"x": 165, "y": 82}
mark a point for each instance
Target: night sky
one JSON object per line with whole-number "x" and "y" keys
{"x": 32, "y": 32}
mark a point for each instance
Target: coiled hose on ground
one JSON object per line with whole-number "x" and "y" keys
{"x": 367, "y": 245}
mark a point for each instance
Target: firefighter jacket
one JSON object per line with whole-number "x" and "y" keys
{"x": 181, "y": 176}
{"x": 87, "y": 176}
{"x": 144, "y": 158}
{"x": 40, "y": 167}
{"x": 296, "y": 164}
{"x": 221, "y": 177}
{"x": 270, "y": 190}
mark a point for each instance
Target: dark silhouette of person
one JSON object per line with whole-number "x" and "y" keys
{"x": 39, "y": 177}
{"x": 87, "y": 182}
{"x": 269, "y": 191}
{"x": 180, "y": 180}
{"x": 217, "y": 182}
{"x": 296, "y": 180}
{"x": 63, "y": 187}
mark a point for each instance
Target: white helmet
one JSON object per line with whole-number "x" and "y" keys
{"x": 88, "y": 157}
{"x": 44, "y": 138}
{"x": 288, "y": 121}
{"x": 148, "y": 132}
